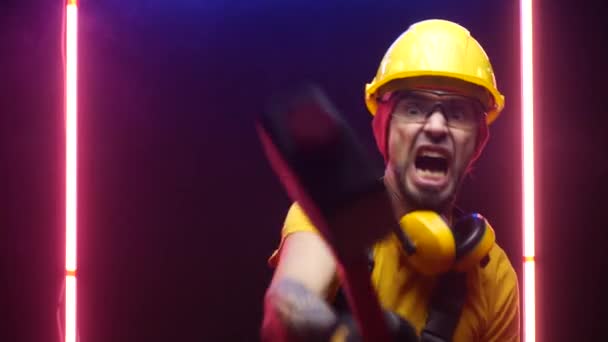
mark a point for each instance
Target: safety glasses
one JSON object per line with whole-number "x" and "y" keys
{"x": 416, "y": 106}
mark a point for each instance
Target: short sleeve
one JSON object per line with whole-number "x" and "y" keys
{"x": 295, "y": 221}
{"x": 503, "y": 315}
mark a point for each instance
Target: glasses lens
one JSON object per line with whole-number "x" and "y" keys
{"x": 413, "y": 108}
{"x": 462, "y": 112}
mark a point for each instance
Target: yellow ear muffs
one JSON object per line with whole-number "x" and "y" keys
{"x": 474, "y": 238}
{"x": 434, "y": 248}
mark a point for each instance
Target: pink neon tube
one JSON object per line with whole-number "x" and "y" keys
{"x": 71, "y": 122}
{"x": 527, "y": 100}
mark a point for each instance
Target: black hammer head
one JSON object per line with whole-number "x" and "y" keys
{"x": 324, "y": 167}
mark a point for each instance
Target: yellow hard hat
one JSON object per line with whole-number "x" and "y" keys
{"x": 435, "y": 48}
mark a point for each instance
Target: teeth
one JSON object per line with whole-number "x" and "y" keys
{"x": 432, "y": 154}
{"x": 430, "y": 173}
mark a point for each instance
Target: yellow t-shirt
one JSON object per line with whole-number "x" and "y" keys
{"x": 491, "y": 309}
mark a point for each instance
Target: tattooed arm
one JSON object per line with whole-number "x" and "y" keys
{"x": 295, "y": 308}
{"x": 294, "y": 313}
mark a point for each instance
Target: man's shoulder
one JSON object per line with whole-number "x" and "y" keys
{"x": 499, "y": 272}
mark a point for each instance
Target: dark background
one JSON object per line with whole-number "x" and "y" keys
{"x": 178, "y": 207}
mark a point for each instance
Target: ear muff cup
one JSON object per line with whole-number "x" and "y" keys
{"x": 432, "y": 239}
{"x": 474, "y": 238}
{"x": 438, "y": 249}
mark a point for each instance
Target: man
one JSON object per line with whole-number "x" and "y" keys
{"x": 432, "y": 99}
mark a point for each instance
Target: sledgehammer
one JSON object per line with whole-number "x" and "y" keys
{"x": 326, "y": 170}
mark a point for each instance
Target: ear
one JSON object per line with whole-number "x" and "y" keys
{"x": 380, "y": 126}
{"x": 483, "y": 135}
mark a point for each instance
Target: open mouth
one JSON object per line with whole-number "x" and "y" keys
{"x": 431, "y": 164}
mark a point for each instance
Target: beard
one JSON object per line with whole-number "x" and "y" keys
{"x": 427, "y": 199}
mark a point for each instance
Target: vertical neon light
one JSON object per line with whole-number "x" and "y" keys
{"x": 527, "y": 100}
{"x": 71, "y": 122}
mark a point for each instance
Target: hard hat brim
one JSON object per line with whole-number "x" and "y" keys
{"x": 374, "y": 89}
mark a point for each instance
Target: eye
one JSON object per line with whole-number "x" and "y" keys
{"x": 413, "y": 108}
{"x": 461, "y": 111}
{"x": 458, "y": 114}
{"x": 410, "y": 109}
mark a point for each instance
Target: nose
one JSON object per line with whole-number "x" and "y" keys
{"x": 436, "y": 126}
